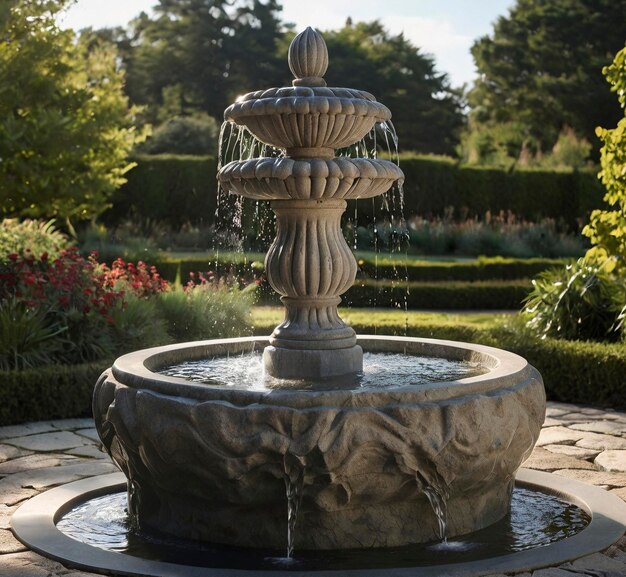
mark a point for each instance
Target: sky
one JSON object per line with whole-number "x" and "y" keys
{"x": 445, "y": 29}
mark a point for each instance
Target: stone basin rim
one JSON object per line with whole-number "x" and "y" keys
{"x": 34, "y": 523}
{"x": 506, "y": 369}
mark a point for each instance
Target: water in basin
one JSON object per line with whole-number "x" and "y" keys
{"x": 380, "y": 371}
{"x": 535, "y": 519}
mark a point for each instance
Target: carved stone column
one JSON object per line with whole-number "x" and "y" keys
{"x": 310, "y": 265}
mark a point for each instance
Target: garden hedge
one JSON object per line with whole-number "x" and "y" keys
{"x": 52, "y": 392}
{"x": 482, "y": 295}
{"x": 481, "y": 269}
{"x": 174, "y": 189}
{"x": 180, "y": 189}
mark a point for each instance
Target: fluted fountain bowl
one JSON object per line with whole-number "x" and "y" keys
{"x": 301, "y": 118}
{"x": 211, "y": 462}
{"x": 314, "y": 179}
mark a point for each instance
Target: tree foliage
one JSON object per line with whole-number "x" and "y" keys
{"x": 210, "y": 49}
{"x": 427, "y": 112}
{"x": 607, "y": 228}
{"x": 65, "y": 123}
{"x": 198, "y": 55}
{"x": 541, "y": 68}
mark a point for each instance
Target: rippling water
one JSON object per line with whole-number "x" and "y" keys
{"x": 380, "y": 370}
{"x": 536, "y": 519}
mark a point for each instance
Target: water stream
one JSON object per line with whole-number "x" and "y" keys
{"x": 294, "y": 483}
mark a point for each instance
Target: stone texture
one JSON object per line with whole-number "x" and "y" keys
{"x": 601, "y": 442}
{"x": 552, "y": 572}
{"x": 550, "y": 422}
{"x": 611, "y": 461}
{"x": 67, "y": 424}
{"x": 53, "y": 441}
{"x": 8, "y": 452}
{"x": 89, "y": 451}
{"x": 553, "y": 411}
{"x": 558, "y": 435}
{"x": 12, "y": 494}
{"x": 544, "y": 460}
{"x": 40, "y": 479}
{"x": 597, "y": 564}
{"x": 34, "y": 462}
{"x": 5, "y": 515}
{"x": 26, "y": 429}
{"x": 595, "y": 477}
{"x": 620, "y": 492}
{"x": 365, "y": 459}
{"x": 573, "y": 451}
{"x": 9, "y": 544}
{"x": 603, "y": 426}
{"x": 29, "y": 564}
{"x": 89, "y": 433}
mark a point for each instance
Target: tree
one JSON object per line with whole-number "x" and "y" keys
{"x": 607, "y": 228}
{"x": 427, "y": 112}
{"x": 65, "y": 124}
{"x": 541, "y": 69}
{"x": 209, "y": 50}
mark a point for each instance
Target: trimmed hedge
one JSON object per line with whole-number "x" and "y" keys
{"x": 485, "y": 295}
{"x": 433, "y": 184}
{"x": 481, "y": 269}
{"x": 180, "y": 189}
{"x": 53, "y": 392}
{"x": 174, "y": 189}
{"x": 488, "y": 295}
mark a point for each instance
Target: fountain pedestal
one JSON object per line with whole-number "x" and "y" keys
{"x": 310, "y": 265}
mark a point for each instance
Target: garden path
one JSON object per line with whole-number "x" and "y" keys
{"x": 583, "y": 443}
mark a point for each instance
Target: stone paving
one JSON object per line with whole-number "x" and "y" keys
{"x": 586, "y": 444}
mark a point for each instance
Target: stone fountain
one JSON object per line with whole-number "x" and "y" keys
{"x": 355, "y": 468}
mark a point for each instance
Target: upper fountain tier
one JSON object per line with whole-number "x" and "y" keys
{"x": 308, "y": 119}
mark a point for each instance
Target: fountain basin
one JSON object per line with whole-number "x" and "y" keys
{"x": 211, "y": 463}
{"x": 303, "y": 117}
{"x": 315, "y": 179}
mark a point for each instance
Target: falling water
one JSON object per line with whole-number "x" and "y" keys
{"x": 237, "y": 143}
{"x": 440, "y": 508}
{"x": 294, "y": 483}
{"x": 388, "y": 224}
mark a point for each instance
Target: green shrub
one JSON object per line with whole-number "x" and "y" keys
{"x": 138, "y": 325}
{"x": 52, "y": 392}
{"x": 27, "y": 338}
{"x": 206, "y": 311}
{"x": 488, "y": 295}
{"x": 578, "y": 302}
{"x": 197, "y": 135}
{"x": 167, "y": 188}
{"x": 573, "y": 371}
{"x": 33, "y": 236}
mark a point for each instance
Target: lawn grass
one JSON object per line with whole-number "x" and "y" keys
{"x": 265, "y": 318}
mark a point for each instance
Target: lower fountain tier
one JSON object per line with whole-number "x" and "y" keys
{"x": 211, "y": 463}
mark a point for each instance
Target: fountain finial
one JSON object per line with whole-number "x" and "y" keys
{"x": 308, "y": 58}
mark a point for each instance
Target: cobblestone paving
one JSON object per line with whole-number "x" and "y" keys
{"x": 585, "y": 444}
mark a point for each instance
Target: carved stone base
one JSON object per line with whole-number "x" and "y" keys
{"x": 307, "y": 364}
{"x": 211, "y": 463}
